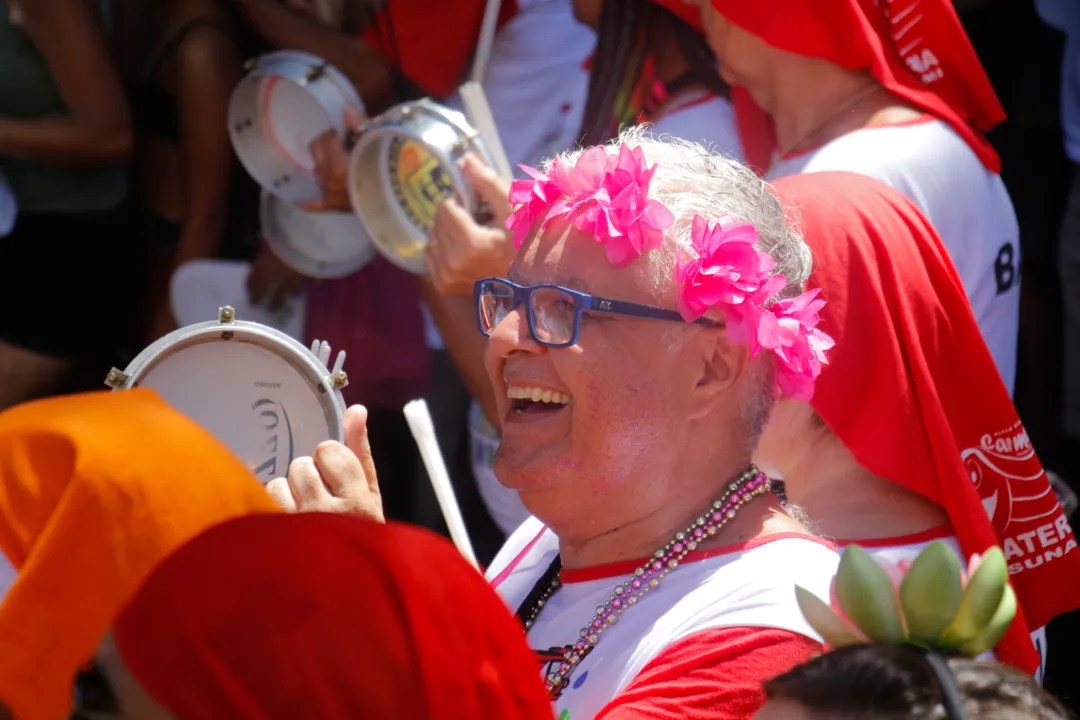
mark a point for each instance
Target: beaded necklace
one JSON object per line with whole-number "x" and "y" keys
{"x": 748, "y": 486}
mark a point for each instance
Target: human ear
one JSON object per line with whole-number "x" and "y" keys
{"x": 723, "y": 364}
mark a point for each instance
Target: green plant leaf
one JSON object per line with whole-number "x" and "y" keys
{"x": 996, "y": 628}
{"x": 931, "y": 591}
{"x": 982, "y": 597}
{"x": 824, "y": 619}
{"x": 868, "y": 598}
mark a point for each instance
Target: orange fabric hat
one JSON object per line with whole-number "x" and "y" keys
{"x": 95, "y": 490}
{"x": 329, "y": 617}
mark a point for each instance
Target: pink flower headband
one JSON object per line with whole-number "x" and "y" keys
{"x": 607, "y": 195}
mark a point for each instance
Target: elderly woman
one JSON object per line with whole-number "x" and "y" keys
{"x": 892, "y": 90}
{"x": 408, "y": 653}
{"x": 95, "y": 491}
{"x": 911, "y": 436}
{"x": 657, "y": 572}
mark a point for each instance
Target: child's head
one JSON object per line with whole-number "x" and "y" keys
{"x": 896, "y": 682}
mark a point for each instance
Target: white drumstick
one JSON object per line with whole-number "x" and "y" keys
{"x": 479, "y": 114}
{"x": 423, "y": 430}
{"x": 485, "y": 41}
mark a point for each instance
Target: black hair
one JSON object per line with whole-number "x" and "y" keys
{"x": 896, "y": 682}
{"x": 625, "y": 31}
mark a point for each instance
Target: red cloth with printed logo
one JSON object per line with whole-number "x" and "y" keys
{"x": 330, "y": 617}
{"x": 913, "y": 393}
{"x": 917, "y": 49}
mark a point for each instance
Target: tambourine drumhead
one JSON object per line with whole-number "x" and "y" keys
{"x": 287, "y": 100}
{"x": 403, "y": 166}
{"x": 262, "y": 394}
{"x": 199, "y": 287}
{"x": 318, "y": 245}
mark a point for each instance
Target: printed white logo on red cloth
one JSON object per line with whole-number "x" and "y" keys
{"x": 1018, "y": 499}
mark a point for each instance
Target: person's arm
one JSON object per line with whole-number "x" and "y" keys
{"x": 209, "y": 66}
{"x": 97, "y": 130}
{"x": 455, "y": 316}
{"x": 365, "y": 68}
{"x": 712, "y": 675}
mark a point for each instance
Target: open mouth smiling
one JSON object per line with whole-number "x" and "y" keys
{"x": 534, "y": 401}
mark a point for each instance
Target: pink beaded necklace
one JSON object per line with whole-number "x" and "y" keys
{"x": 629, "y": 592}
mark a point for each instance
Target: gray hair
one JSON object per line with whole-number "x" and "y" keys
{"x": 692, "y": 180}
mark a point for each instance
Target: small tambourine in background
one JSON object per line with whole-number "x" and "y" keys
{"x": 321, "y": 245}
{"x": 287, "y": 100}
{"x": 265, "y": 396}
{"x": 404, "y": 164}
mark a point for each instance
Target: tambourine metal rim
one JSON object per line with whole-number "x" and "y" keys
{"x": 301, "y": 69}
{"x": 289, "y": 252}
{"x": 228, "y": 329}
{"x": 386, "y": 127}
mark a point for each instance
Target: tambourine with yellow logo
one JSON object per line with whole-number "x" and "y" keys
{"x": 403, "y": 165}
{"x": 261, "y": 393}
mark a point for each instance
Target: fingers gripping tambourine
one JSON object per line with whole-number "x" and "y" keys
{"x": 404, "y": 164}
{"x": 265, "y": 396}
{"x": 287, "y": 100}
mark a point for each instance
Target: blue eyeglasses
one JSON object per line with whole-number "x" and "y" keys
{"x": 555, "y": 312}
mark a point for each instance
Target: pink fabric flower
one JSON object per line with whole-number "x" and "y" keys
{"x": 532, "y": 198}
{"x": 606, "y": 194}
{"x": 789, "y": 329}
{"x": 729, "y": 270}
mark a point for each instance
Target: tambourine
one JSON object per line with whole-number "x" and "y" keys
{"x": 265, "y": 396}
{"x": 287, "y": 100}
{"x": 320, "y": 245}
{"x": 403, "y": 165}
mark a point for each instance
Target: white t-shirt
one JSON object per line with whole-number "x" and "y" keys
{"x": 536, "y": 85}
{"x": 904, "y": 550}
{"x": 704, "y": 118}
{"x": 699, "y": 117}
{"x": 967, "y": 204}
{"x": 692, "y": 637}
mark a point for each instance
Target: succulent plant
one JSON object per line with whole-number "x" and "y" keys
{"x": 932, "y": 603}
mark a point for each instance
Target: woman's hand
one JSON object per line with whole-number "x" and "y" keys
{"x": 460, "y": 250}
{"x": 332, "y": 166}
{"x": 338, "y": 478}
{"x": 272, "y": 282}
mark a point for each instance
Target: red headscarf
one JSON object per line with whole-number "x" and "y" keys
{"x": 95, "y": 490}
{"x": 914, "y": 394}
{"x": 916, "y": 49}
{"x": 327, "y": 616}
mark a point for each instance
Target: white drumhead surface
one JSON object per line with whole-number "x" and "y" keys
{"x": 316, "y": 244}
{"x": 199, "y": 287}
{"x": 294, "y": 119}
{"x": 248, "y": 397}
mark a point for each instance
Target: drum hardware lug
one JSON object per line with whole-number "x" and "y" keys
{"x": 339, "y": 380}
{"x": 457, "y": 148}
{"x": 351, "y": 138}
{"x": 226, "y": 315}
{"x": 116, "y": 379}
{"x": 315, "y": 72}
{"x": 406, "y": 111}
{"x": 250, "y": 64}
